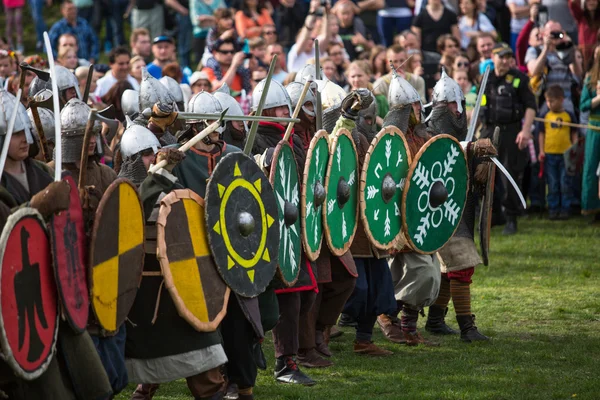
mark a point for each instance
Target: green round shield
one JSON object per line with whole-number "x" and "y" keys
{"x": 381, "y": 186}
{"x": 435, "y": 194}
{"x": 313, "y": 194}
{"x": 341, "y": 185}
{"x": 284, "y": 178}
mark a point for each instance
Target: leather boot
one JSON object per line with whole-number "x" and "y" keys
{"x": 145, "y": 391}
{"x": 436, "y": 323}
{"x": 312, "y": 359}
{"x": 511, "y": 225}
{"x": 468, "y": 330}
{"x": 322, "y": 342}
{"x": 390, "y": 330}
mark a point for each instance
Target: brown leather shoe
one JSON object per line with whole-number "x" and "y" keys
{"x": 390, "y": 330}
{"x": 312, "y": 359}
{"x": 415, "y": 339}
{"x": 334, "y": 332}
{"x": 145, "y": 391}
{"x": 322, "y": 343}
{"x": 370, "y": 349}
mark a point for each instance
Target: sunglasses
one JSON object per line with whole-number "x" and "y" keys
{"x": 226, "y": 51}
{"x": 462, "y": 64}
{"x": 257, "y": 80}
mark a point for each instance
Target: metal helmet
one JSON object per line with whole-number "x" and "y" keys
{"x": 65, "y": 79}
{"x": 277, "y": 96}
{"x": 229, "y": 103}
{"x": 446, "y": 89}
{"x": 223, "y": 89}
{"x": 7, "y": 105}
{"x": 73, "y": 120}
{"x": 173, "y": 88}
{"x": 294, "y": 89}
{"x": 130, "y": 103}
{"x": 401, "y": 92}
{"x": 308, "y": 73}
{"x": 38, "y": 84}
{"x": 204, "y": 103}
{"x": 332, "y": 95}
{"x": 46, "y": 120}
{"x": 137, "y": 138}
{"x": 152, "y": 92}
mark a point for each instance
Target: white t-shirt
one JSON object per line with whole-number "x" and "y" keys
{"x": 517, "y": 24}
{"x": 107, "y": 81}
{"x": 482, "y": 24}
{"x": 296, "y": 61}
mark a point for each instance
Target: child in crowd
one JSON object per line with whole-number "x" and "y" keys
{"x": 555, "y": 138}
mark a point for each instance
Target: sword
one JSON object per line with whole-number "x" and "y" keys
{"x": 9, "y": 132}
{"x": 187, "y": 116}
{"x": 319, "y": 105}
{"x": 259, "y": 108}
{"x": 510, "y": 179}
{"x": 192, "y": 142}
{"x": 55, "y": 101}
{"x": 475, "y": 115}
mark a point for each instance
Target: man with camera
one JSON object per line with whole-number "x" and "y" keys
{"x": 227, "y": 66}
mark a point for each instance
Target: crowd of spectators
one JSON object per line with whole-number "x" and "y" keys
{"x": 206, "y": 43}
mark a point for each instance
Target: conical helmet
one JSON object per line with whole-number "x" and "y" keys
{"x": 446, "y": 89}
{"x": 294, "y": 89}
{"x": 229, "y": 103}
{"x": 152, "y": 92}
{"x": 137, "y": 138}
{"x": 46, "y": 120}
{"x": 173, "y": 88}
{"x": 7, "y": 105}
{"x": 277, "y": 96}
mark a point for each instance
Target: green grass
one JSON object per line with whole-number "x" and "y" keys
{"x": 538, "y": 300}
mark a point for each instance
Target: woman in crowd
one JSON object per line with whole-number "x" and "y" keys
{"x": 588, "y": 22}
{"x": 414, "y": 64}
{"x": 251, "y": 17}
{"x": 67, "y": 57}
{"x": 378, "y": 62}
{"x": 472, "y": 22}
{"x": 135, "y": 67}
{"x": 449, "y": 47}
{"x": 13, "y": 10}
{"x": 434, "y": 21}
{"x": 336, "y": 55}
{"x": 224, "y": 29}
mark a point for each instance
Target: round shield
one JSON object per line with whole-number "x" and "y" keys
{"x": 190, "y": 274}
{"x": 341, "y": 182}
{"x": 381, "y": 184}
{"x": 116, "y": 254}
{"x": 485, "y": 214}
{"x": 435, "y": 194}
{"x": 68, "y": 240}
{"x": 284, "y": 178}
{"x": 28, "y": 299}
{"x": 241, "y": 211}
{"x": 313, "y": 194}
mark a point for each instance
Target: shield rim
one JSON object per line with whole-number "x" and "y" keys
{"x": 161, "y": 254}
{"x": 64, "y": 309}
{"x": 272, "y": 172}
{"x": 411, "y": 170}
{"x": 207, "y": 198}
{"x": 393, "y": 131}
{"x": 333, "y": 145}
{"x": 111, "y": 188}
{"x": 485, "y": 225}
{"x": 7, "y": 354}
{"x": 312, "y": 256}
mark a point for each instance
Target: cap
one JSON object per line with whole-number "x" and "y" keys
{"x": 163, "y": 38}
{"x": 197, "y": 75}
{"x": 502, "y": 49}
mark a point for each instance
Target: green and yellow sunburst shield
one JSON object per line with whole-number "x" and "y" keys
{"x": 241, "y": 211}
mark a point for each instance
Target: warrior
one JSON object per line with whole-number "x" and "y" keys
{"x": 131, "y": 106}
{"x": 46, "y": 125}
{"x": 234, "y": 132}
{"x": 154, "y": 96}
{"x": 68, "y": 87}
{"x": 415, "y": 276}
{"x": 76, "y": 372}
{"x": 297, "y": 301}
{"x": 459, "y": 255}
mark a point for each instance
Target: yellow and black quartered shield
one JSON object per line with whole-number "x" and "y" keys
{"x": 116, "y": 254}
{"x": 190, "y": 275}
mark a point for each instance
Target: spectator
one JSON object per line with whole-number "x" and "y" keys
{"x": 336, "y": 55}
{"x": 163, "y": 50}
{"x": 68, "y": 40}
{"x": 378, "y": 61}
{"x": 485, "y": 44}
{"x": 70, "y": 23}
{"x": 251, "y": 17}
{"x": 184, "y": 30}
{"x": 36, "y": 9}
{"x": 140, "y": 44}
{"x": 519, "y": 12}
{"x": 258, "y": 49}
{"x": 449, "y": 47}
{"x": 226, "y": 66}
{"x": 67, "y": 57}
{"x": 588, "y": 21}
{"x": 434, "y": 21}
{"x": 82, "y": 75}
{"x": 558, "y": 10}
{"x": 303, "y": 49}
{"x": 414, "y": 64}
{"x": 85, "y": 9}
{"x": 269, "y": 33}
{"x": 202, "y": 16}
{"x": 555, "y": 139}
{"x": 292, "y": 17}
{"x": 13, "y": 10}
{"x": 367, "y": 11}
{"x": 547, "y": 63}
{"x": 135, "y": 68}
{"x": 359, "y": 75}
{"x": 279, "y": 73}
{"x": 7, "y": 68}
{"x": 36, "y": 61}
{"x": 329, "y": 69}
{"x": 462, "y": 78}
{"x": 393, "y": 19}
{"x": 173, "y": 70}
{"x": 119, "y": 71}
{"x": 113, "y": 97}
{"x": 530, "y": 36}
{"x": 199, "y": 82}
{"x": 355, "y": 36}
{"x": 224, "y": 29}
{"x": 472, "y": 21}
{"x": 590, "y": 102}
{"x": 258, "y": 76}
{"x": 148, "y": 14}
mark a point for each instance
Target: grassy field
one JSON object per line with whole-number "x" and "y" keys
{"x": 538, "y": 300}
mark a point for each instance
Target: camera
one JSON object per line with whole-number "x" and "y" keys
{"x": 247, "y": 56}
{"x": 557, "y": 35}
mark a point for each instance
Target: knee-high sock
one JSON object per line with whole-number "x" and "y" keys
{"x": 445, "y": 294}
{"x": 408, "y": 321}
{"x": 461, "y": 296}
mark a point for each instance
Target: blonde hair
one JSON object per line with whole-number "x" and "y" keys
{"x": 134, "y": 60}
{"x": 65, "y": 52}
{"x": 365, "y": 67}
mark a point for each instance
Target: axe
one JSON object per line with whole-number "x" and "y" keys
{"x": 192, "y": 142}
{"x": 40, "y": 129}
{"x": 88, "y": 84}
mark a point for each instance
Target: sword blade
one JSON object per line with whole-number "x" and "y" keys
{"x": 55, "y": 101}
{"x": 475, "y": 115}
{"x": 510, "y": 179}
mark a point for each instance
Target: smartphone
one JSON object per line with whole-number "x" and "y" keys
{"x": 542, "y": 17}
